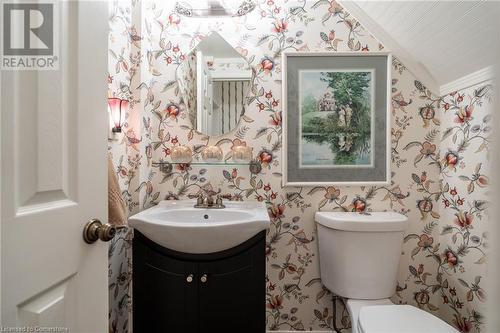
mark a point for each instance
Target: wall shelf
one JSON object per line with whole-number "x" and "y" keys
{"x": 201, "y": 163}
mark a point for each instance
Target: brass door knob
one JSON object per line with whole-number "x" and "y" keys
{"x": 189, "y": 278}
{"x": 204, "y": 278}
{"x": 94, "y": 230}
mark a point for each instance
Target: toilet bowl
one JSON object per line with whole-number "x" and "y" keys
{"x": 359, "y": 257}
{"x": 382, "y": 316}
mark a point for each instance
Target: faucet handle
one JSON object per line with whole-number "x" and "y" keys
{"x": 200, "y": 199}
{"x": 218, "y": 202}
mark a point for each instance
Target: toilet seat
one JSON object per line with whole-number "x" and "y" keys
{"x": 400, "y": 319}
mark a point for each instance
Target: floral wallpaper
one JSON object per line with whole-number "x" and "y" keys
{"x": 186, "y": 81}
{"x": 439, "y": 161}
{"x": 458, "y": 271}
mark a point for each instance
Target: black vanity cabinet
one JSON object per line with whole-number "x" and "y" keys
{"x": 187, "y": 293}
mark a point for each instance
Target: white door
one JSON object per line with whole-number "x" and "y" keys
{"x": 53, "y": 180}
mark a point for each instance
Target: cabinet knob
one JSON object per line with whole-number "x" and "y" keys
{"x": 204, "y": 278}
{"x": 189, "y": 278}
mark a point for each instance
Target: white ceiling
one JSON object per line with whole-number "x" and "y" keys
{"x": 440, "y": 41}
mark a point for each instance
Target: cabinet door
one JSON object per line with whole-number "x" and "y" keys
{"x": 233, "y": 297}
{"x": 164, "y": 300}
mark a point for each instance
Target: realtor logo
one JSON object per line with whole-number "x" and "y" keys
{"x": 28, "y": 36}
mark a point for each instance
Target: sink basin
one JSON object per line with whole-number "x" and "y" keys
{"x": 177, "y": 225}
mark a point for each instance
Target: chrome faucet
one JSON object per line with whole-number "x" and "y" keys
{"x": 208, "y": 202}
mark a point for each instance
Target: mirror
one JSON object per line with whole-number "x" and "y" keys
{"x": 214, "y": 80}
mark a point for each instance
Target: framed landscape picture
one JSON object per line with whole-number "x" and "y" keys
{"x": 336, "y": 118}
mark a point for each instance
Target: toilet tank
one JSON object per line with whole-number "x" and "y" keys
{"x": 359, "y": 253}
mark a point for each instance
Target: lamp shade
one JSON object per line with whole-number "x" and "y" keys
{"x": 118, "y": 108}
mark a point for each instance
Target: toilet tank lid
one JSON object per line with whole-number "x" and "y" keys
{"x": 400, "y": 319}
{"x": 369, "y": 222}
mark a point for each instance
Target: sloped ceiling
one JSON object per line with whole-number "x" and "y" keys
{"x": 440, "y": 41}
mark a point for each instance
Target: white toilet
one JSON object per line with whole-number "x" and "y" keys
{"x": 359, "y": 256}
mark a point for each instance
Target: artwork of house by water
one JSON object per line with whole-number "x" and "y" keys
{"x": 336, "y": 109}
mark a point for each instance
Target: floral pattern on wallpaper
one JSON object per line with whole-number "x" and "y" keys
{"x": 186, "y": 81}
{"x": 124, "y": 62}
{"x": 148, "y": 41}
{"x": 458, "y": 273}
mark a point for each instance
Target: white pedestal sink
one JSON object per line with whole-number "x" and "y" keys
{"x": 177, "y": 225}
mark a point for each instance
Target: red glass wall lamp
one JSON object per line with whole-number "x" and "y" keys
{"x": 118, "y": 108}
